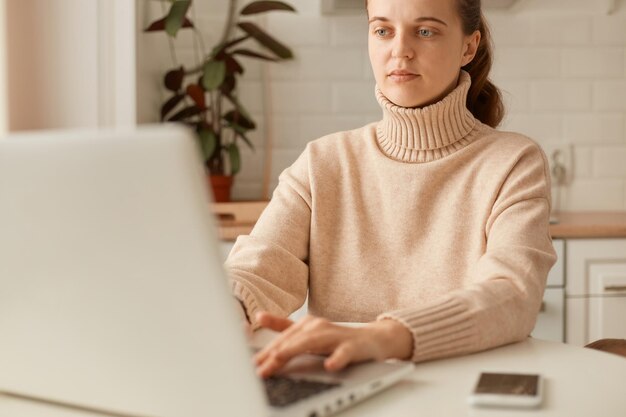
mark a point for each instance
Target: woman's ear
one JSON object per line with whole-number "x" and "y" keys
{"x": 470, "y": 47}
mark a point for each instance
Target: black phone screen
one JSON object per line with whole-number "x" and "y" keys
{"x": 510, "y": 384}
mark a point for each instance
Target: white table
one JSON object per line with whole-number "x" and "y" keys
{"x": 578, "y": 382}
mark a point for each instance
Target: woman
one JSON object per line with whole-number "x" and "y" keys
{"x": 430, "y": 225}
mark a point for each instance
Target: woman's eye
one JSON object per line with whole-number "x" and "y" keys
{"x": 425, "y": 33}
{"x": 381, "y": 32}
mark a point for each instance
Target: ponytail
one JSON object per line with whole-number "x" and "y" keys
{"x": 484, "y": 99}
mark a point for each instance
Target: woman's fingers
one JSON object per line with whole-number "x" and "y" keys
{"x": 319, "y": 336}
{"x": 345, "y": 345}
{"x": 284, "y": 335}
{"x": 270, "y": 365}
{"x": 303, "y": 342}
{"x": 273, "y": 322}
{"x": 340, "y": 358}
{"x": 314, "y": 335}
{"x": 318, "y": 343}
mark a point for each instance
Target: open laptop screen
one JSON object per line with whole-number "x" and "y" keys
{"x": 112, "y": 293}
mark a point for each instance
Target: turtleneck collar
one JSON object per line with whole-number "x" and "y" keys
{"x": 427, "y": 133}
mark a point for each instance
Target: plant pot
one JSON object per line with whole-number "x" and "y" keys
{"x": 221, "y": 185}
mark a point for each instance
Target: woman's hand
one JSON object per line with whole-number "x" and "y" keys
{"x": 375, "y": 341}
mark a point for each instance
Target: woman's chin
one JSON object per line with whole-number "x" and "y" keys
{"x": 409, "y": 102}
{"x": 399, "y": 96}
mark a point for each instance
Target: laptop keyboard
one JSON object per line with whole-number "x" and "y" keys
{"x": 283, "y": 391}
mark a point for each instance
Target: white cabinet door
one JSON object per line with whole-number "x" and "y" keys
{"x": 550, "y": 322}
{"x": 607, "y": 301}
{"x": 595, "y": 290}
{"x": 556, "y": 276}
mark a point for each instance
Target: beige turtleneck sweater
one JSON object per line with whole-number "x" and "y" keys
{"x": 428, "y": 217}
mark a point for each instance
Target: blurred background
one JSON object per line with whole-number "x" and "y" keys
{"x": 560, "y": 63}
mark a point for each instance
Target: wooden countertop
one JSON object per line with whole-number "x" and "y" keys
{"x": 238, "y": 218}
{"x": 589, "y": 224}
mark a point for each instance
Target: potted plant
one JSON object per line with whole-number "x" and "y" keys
{"x": 205, "y": 96}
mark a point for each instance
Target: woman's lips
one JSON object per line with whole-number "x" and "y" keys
{"x": 402, "y": 77}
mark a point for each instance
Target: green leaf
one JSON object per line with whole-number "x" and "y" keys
{"x": 266, "y": 40}
{"x": 216, "y": 50}
{"x": 214, "y": 74}
{"x": 207, "y": 142}
{"x": 252, "y": 54}
{"x": 176, "y": 16}
{"x": 266, "y": 6}
{"x": 235, "y": 159}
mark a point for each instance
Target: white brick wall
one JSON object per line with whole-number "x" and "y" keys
{"x": 593, "y": 128}
{"x": 582, "y": 162}
{"x": 609, "y": 95}
{"x": 560, "y": 30}
{"x": 561, "y": 95}
{"x": 560, "y": 63}
{"x": 595, "y": 194}
{"x": 565, "y": 77}
{"x": 593, "y": 62}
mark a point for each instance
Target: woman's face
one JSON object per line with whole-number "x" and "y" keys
{"x": 417, "y": 48}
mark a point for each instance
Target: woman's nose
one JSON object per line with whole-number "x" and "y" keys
{"x": 401, "y": 48}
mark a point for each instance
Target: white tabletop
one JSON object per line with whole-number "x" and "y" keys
{"x": 578, "y": 382}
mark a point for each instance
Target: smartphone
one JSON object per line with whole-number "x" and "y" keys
{"x": 507, "y": 390}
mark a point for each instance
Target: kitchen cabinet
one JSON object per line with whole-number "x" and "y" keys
{"x": 595, "y": 290}
{"x": 607, "y": 301}
{"x": 551, "y": 319}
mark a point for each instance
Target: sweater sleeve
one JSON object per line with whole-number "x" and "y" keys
{"x": 268, "y": 269}
{"x": 501, "y": 299}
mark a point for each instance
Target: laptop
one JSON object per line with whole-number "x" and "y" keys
{"x": 113, "y": 298}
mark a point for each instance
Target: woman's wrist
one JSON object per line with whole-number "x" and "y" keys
{"x": 394, "y": 338}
